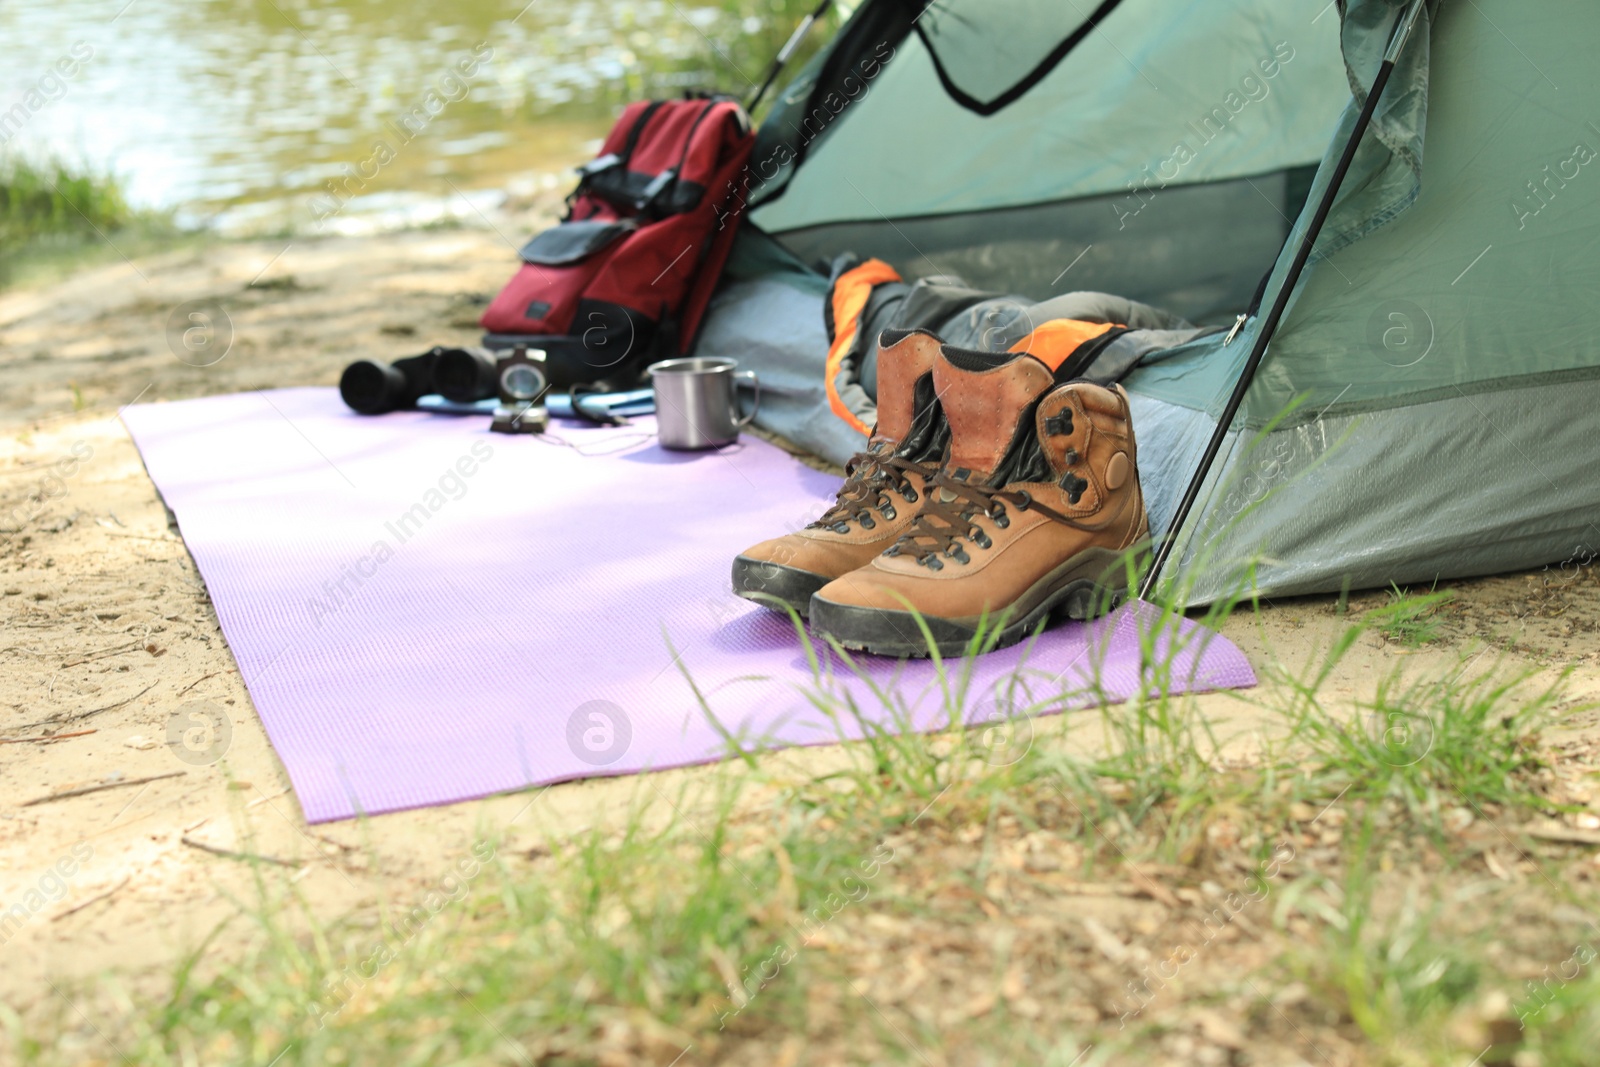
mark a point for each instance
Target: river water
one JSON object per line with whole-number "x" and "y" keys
{"x": 237, "y": 113}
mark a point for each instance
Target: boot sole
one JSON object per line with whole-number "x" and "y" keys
{"x": 1074, "y": 590}
{"x": 761, "y": 581}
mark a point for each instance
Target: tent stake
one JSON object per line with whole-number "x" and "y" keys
{"x": 1269, "y": 325}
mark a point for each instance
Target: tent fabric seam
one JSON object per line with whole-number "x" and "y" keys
{"x": 1028, "y": 82}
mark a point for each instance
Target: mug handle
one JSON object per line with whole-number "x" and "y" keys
{"x": 755, "y": 383}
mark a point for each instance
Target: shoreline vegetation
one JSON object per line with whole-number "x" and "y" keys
{"x": 52, "y": 198}
{"x": 56, "y": 217}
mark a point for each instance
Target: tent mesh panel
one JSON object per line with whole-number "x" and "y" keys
{"x": 1164, "y": 248}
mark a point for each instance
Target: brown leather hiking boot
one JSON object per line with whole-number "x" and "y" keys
{"x": 881, "y": 494}
{"x": 1031, "y": 514}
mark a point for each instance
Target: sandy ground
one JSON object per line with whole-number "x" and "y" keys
{"x": 112, "y": 664}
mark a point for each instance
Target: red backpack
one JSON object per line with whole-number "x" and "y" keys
{"x": 626, "y": 277}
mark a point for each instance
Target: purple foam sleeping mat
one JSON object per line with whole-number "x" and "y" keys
{"x": 425, "y": 612}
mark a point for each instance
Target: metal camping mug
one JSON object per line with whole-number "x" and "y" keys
{"x": 697, "y": 406}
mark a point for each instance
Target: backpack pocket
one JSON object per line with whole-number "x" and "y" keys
{"x": 557, "y": 265}
{"x": 569, "y": 242}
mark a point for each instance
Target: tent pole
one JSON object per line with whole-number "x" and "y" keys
{"x": 782, "y": 58}
{"x": 1269, "y": 325}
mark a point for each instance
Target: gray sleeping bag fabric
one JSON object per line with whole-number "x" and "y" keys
{"x": 775, "y": 329}
{"x": 774, "y": 326}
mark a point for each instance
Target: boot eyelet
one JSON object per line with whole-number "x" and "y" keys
{"x": 959, "y": 554}
{"x": 933, "y": 563}
{"x": 866, "y": 522}
{"x": 841, "y": 527}
{"x": 910, "y": 494}
{"x": 979, "y": 538}
{"x": 1001, "y": 519}
{"x": 889, "y": 514}
{"x": 1073, "y": 486}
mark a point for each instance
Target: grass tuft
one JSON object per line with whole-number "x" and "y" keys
{"x": 56, "y": 218}
{"x": 1438, "y": 743}
{"x": 1412, "y": 621}
{"x": 38, "y": 200}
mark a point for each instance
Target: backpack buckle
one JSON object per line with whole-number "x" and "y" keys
{"x": 653, "y": 191}
{"x": 599, "y": 165}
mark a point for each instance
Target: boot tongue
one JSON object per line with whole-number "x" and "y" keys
{"x": 985, "y": 405}
{"x": 903, "y": 360}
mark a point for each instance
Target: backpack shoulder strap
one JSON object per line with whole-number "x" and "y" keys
{"x": 620, "y": 159}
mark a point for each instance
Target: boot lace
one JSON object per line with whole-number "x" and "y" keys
{"x": 946, "y": 520}
{"x": 871, "y": 476}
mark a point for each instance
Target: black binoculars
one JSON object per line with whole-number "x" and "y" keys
{"x": 460, "y": 375}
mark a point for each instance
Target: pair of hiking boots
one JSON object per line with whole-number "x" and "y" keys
{"x": 989, "y": 497}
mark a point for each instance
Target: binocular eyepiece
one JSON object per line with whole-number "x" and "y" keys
{"x": 460, "y": 375}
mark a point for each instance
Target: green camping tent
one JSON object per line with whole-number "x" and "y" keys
{"x": 1423, "y": 410}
